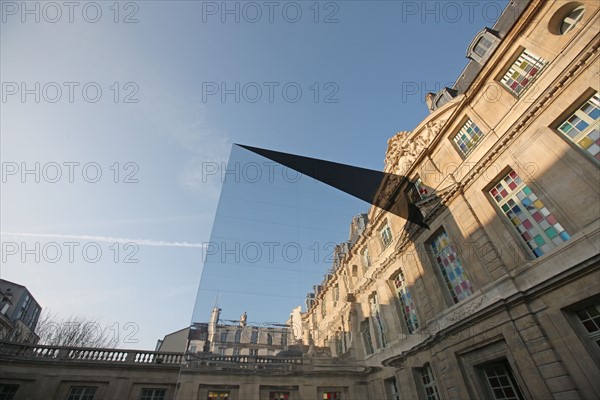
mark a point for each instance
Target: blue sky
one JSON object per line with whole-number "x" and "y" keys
{"x": 164, "y": 126}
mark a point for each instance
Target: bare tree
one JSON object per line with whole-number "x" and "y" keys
{"x": 74, "y": 331}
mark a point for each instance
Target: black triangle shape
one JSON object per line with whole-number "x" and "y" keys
{"x": 384, "y": 190}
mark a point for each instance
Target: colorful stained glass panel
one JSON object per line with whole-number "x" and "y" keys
{"x": 451, "y": 267}
{"x": 522, "y": 73}
{"x": 534, "y": 222}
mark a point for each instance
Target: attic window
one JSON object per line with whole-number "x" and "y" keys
{"x": 480, "y": 48}
{"x": 444, "y": 96}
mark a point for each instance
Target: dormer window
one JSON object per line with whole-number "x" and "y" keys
{"x": 444, "y": 96}
{"x": 482, "y": 45}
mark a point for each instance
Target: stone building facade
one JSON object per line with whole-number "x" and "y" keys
{"x": 499, "y": 298}
{"x": 19, "y": 313}
{"x": 237, "y": 338}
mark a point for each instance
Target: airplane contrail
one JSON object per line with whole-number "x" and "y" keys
{"x": 107, "y": 239}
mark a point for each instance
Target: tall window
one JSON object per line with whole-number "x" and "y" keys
{"x": 366, "y": 259}
{"x": 82, "y": 393}
{"x": 366, "y": 334}
{"x": 8, "y": 392}
{"x": 583, "y": 127}
{"x": 427, "y": 382}
{"x": 284, "y": 338}
{"x": 254, "y": 352}
{"x": 447, "y": 259}
{"x": 533, "y": 221}
{"x": 336, "y": 293}
{"x": 238, "y": 335}
{"x": 417, "y": 191}
{"x": 24, "y": 307}
{"x": 377, "y": 319}
{"x": 468, "y": 137}
{"x": 392, "y": 387}
{"x": 279, "y": 395}
{"x": 254, "y": 336}
{"x": 386, "y": 235}
{"x": 590, "y": 319}
{"x": 269, "y": 338}
{"x": 223, "y": 336}
{"x": 218, "y": 395}
{"x": 340, "y": 342}
{"x": 523, "y": 72}
{"x": 153, "y": 394}
{"x": 500, "y": 382}
{"x": 409, "y": 310}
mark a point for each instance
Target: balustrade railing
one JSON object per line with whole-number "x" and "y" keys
{"x": 63, "y": 353}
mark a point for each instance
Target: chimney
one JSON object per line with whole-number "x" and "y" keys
{"x": 429, "y": 100}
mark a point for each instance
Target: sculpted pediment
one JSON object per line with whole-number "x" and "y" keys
{"x": 404, "y": 147}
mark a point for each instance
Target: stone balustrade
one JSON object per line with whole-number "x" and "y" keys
{"x": 86, "y": 354}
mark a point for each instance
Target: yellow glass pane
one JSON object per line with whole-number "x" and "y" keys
{"x": 538, "y": 204}
{"x": 585, "y": 142}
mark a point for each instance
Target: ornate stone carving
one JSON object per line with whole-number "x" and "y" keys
{"x": 402, "y": 151}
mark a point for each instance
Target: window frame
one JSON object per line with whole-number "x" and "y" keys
{"x": 417, "y": 190}
{"x": 154, "y": 394}
{"x": 378, "y": 321}
{"x": 514, "y": 231}
{"x": 387, "y": 229}
{"x": 512, "y": 64}
{"x": 218, "y": 392}
{"x": 81, "y": 396}
{"x": 575, "y": 21}
{"x": 485, "y": 381}
{"x": 442, "y": 277}
{"x": 280, "y": 395}
{"x": 254, "y": 335}
{"x": 422, "y": 386}
{"x": 456, "y": 132}
{"x": 9, "y": 389}
{"x": 337, "y": 395}
{"x": 410, "y": 329}
{"x": 392, "y": 388}
{"x": 485, "y": 34}
{"x": 365, "y": 332}
{"x": 571, "y": 111}
{"x": 570, "y": 313}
